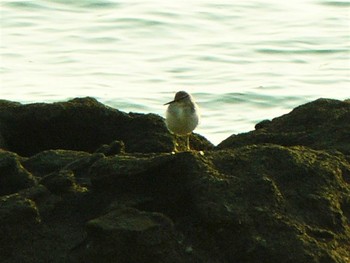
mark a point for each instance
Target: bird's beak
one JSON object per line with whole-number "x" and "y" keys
{"x": 184, "y": 97}
{"x": 169, "y": 102}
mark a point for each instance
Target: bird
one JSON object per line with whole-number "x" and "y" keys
{"x": 182, "y": 116}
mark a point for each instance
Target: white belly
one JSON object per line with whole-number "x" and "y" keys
{"x": 180, "y": 120}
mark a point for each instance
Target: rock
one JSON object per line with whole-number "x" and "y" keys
{"x": 29, "y": 236}
{"x": 50, "y": 161}
{"x": 251, "y": 203}
{"x": 197, "y": 142}
{"x": 159, "y": 183}
{"x": 53, "y": 161}
{"x": 262, "y": 124}
{"x": 13, "y": 177}
{"x": 321, "y": 124}
{"x": 131, "y": 236}
{"x": 81, "y": 167}
{"x": 18, "y": 216}
{"x": 44, "y": 200}
{"x": 15, "y": 209}
{"x": 244, "y": 198}
{"x": 61, "y": 182}
{"x": 116, "y": 147}
{"x": 81, "y": 124}
{"x": 277, "y": 200}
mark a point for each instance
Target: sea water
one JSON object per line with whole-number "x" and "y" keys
{"x": 243, "y": 61}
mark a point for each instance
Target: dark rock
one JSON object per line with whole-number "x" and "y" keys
{"x": 321, "y": 124}
{"x": 250, "y": 203}
{"x": 274, "y": 195}
{"x": 45, "y": 201}
{"x": 263, "y": 124}
{"x": 254, "y": 204}
{"x": 132, "y": 236}
{"x": 18, "y": 216}
{"x": 159, "y": 183}
{"x": 81, "y": 168}
{"x": 200, "y": 143}
{"x": 80, "y": 124}
{"x": 61, "y": 182}
{"x": 13, "y": 177}
{"x": 197, "y": 142}
{"x": 50, "y": 161}
{"x": 116, "y": 147}
{"x": 27, "y": 237}
{"x": 15, "y": 209}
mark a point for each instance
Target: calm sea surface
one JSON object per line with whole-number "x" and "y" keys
{"x": 243, "y": 61}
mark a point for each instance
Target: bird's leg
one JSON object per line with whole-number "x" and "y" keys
{"x": 176, "y": 144}
{"x": 188, "y": 142}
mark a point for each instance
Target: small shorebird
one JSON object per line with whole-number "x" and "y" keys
{"x": 182, "y": 116}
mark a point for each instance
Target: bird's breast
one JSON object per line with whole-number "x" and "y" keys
{"x": 181, "y": 120}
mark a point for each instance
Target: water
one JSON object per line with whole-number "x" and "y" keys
{"x": 243, "y": 61}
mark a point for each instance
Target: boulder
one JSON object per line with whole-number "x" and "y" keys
{"x": 116, "y": 147}
{"x": 61, "y": 182}
{"x": 285, "y": 200}
{"x": 18, "y": 217}
{"x": 132, "y": 236}
{"x": 45, "y": 201}
{"x": 15, "y": 210}
{"x": 81, "y": 166}
{"x": 250, "y": 204}
{"x": 279, "y": 204}
{"x": 50, "y": 161}
{"x": 13, "y": 176}
{"x": 81, "y": 124}
{"x": 320, "y": 124}
{"x": 160, "y": 182}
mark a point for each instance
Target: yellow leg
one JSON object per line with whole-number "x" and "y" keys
{"x": 176, "y": 144}
{"x": 178, "y": 147}
{"x": 188, "y": 142}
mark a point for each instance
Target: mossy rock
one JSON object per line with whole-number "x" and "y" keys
{"x": 116, "y": 147}
{"x": 50, "y": 161}
{"x": 79, "y": 124}
{"x": 132, "y": 236}
{"x": 15, "y": 209}
{"x": 278, "y": 204}
{"x": 163, "y": 182}
{"x": 18, "y": 216}
{"x": 323, "y": 124}
{"x": 250, "y": 202}
{"x": 13, "y": 176}
{"x": 61, "y": 182}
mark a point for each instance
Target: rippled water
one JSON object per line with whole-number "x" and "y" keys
{"x": 244, "y": 61}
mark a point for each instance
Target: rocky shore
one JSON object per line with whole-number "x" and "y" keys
{"x": 83, "y": 182}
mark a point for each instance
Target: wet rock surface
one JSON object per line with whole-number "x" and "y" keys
{"x": 244, "y": 201}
